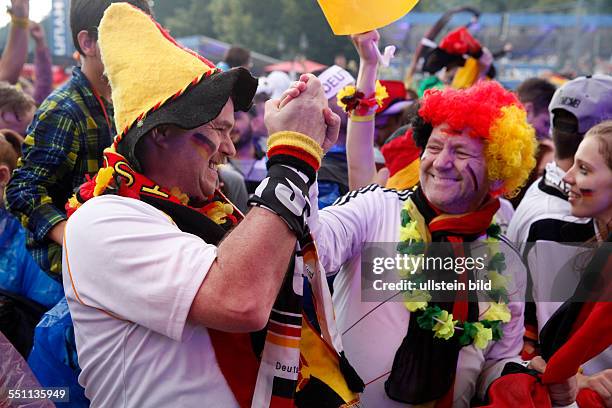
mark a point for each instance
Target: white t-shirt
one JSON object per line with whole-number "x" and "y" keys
{"x": 130, "y": 277}
{"x": 503, "y": 216}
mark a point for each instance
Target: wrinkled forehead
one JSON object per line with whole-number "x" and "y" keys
{"x": 446, "y": 135}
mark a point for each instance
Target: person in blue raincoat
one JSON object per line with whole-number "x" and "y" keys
{"x": 19, "y": 273}
{"x": 28, "y": 292}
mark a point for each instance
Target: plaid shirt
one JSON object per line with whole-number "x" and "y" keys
{"x": 64, "y": 143}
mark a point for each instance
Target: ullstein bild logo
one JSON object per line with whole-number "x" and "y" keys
{"x": 432, "y": 285}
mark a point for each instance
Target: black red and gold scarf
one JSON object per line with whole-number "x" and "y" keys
{"x": 424, "y": 367}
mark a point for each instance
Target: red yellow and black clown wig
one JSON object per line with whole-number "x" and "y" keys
{"x": 491, "y": 113}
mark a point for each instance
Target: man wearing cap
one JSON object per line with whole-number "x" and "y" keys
{"x": 154, "y": 295}
{"x": 543, "y": 220}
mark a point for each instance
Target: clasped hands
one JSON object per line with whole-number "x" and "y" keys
{"x": 303, "y": 108}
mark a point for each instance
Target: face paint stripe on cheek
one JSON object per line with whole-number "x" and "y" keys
{"x": 473, "y": 176}
{"x": 586, "y": 192}
{"x": 204, "y": 144}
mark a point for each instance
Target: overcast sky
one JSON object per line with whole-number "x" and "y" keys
{"x": 38, "y": 10}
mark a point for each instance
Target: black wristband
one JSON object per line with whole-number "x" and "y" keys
{"x": 285, "y": 193}
{"x": 296, "y": 163}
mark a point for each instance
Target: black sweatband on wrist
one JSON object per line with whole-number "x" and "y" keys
{"x": 285, "y": 193}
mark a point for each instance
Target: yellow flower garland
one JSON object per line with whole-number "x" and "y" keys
{"x": 417, "y": 300}
{"x": 498, "y": 311}
{"x": 409, "y": 232}
{"x": 498, "y": 281}
{"x": 483, "y": 336}
{"x": 444, "y": 327}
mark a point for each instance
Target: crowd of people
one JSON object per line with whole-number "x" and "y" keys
{"x": 175, "y": 232}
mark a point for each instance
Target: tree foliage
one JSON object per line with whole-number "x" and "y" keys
{"x": 279, "y": 28}
{"x": 286, "y": 28}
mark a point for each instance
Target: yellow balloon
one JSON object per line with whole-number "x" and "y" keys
{"x": 358, "y": 16}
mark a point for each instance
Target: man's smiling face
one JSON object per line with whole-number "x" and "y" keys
{"x": 194, "y": 155}
{"x": 453, "y": 172}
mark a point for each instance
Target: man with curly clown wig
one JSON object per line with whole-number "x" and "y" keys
{"x": 412, "y": 331}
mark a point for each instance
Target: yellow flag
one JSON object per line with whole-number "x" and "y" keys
{"x": 358, "y": 16}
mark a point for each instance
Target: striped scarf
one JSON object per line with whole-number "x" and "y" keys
{"x": 303, "y": 363}
{"x": 426, "y": 373}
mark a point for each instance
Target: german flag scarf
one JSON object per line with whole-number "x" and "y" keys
{"x": 293, "y": 362}
{"x": 424, "y": 367}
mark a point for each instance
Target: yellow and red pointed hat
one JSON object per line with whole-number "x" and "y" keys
{"x": 155, "y": 81}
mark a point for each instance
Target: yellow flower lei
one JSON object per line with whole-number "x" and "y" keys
{"x": 441, "y": 321}
{"x": 498, "y": 311}
{"x": 483, "y": 335}
{"x": 416, "y": 300}
{"x": 445, "y": 326}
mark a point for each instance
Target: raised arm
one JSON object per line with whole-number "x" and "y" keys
{"x": 43, "y": 84}
{"x": 16, "y": 48}
{"x": 360, "y": 132}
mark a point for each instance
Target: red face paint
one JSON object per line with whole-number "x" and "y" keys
{"x": 586, "y": 193}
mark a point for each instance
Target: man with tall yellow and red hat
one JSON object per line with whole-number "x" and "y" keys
{"x": 164, "y": 277}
